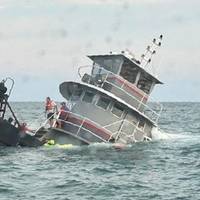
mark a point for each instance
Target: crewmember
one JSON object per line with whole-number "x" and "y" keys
{"x": 64, "y": 112}
{"x": 50, "y": 109}
{"x": 63, "y": 109}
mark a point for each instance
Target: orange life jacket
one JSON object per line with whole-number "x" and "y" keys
{"x": 50, "y": 105}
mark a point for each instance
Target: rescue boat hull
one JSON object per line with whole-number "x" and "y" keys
{"x": 9, "y": 134}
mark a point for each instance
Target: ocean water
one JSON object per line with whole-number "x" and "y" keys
{"x": 166, "y": 168}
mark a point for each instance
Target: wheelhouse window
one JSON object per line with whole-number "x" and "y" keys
{"x": 117, "y": 110}
{"x": 110, "y": 63}
{"x": 103, "y": 102}
{"x": 145, "y": 83}
{"x": 129, "y": 71}
{"x": 88, "y": 96}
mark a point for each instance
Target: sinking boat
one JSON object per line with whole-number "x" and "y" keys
{"x": 111, "y": 104}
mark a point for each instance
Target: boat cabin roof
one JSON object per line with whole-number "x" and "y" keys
{"x": 131, "y": 60}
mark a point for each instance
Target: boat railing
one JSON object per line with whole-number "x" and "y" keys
{"x": 125, "y": 135}
{"x": 80, "y": 127}
{"x": 121, "y": 133}
{"x": 153, "y": 109}
{"x": 81, "y": 124}
{"x": 81, "y": 121}
{"x": 44, "y": 124}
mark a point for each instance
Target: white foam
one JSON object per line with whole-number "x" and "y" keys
{"x": 158, "y": 134}
{"x": 101, "y": 145}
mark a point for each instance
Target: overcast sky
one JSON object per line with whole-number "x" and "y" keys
{"x": 42, "y": 43}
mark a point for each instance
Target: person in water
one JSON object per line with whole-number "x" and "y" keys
{"x": 50, "y": 109}
{"x": 24, "y": 130}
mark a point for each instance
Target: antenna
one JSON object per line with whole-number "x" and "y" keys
{"x": 150, "y": 51}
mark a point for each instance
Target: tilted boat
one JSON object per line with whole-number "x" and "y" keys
{"x": 110, "y": 104}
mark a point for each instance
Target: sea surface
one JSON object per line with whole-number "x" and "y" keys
{"x": 166, "y": 168}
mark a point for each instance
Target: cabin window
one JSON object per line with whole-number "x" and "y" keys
{"x": 117, "y": 110}
{"x": 103, "y": 102}
{"x": 141, "y": 124}
{"x": 76, "y": 94}
{"x": 110, "y": 63}
{"x": 145, "y": 83}
{"x": 88, "y": 96}
{"x": 129, "y": 72}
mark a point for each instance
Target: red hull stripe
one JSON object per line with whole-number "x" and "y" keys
{"x": 98, "y": 131}
{"x": 134, "y": 92}
{"x": 102, "y": 133}
{"x": 74, "y": 120}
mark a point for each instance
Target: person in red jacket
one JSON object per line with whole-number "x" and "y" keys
{"x": 64, "y": 113}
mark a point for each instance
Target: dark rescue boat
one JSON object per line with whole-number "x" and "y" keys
{"x": 10, "y": 126}
{"x": 9, "y": 132}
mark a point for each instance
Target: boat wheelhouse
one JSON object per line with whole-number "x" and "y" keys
{"x": 110, "y": 104}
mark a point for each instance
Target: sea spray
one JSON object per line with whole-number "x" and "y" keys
{"x": 158, "y": 134}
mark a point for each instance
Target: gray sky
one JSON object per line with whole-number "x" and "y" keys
{"x": 42, "y": 43}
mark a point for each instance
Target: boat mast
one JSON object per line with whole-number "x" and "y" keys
{"x": 150, "y": 51}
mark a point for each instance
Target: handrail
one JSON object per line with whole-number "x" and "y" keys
{"x": 44, "y": 124}
{"x": 132, "y": 135}
{"x": 140, "y": 102}
{"x": 56, "y": 117}
{"x": 79, "y": 69}
{"x": 37, "y": 121}
{"x": 81, "y": 127}
{"x": 83, "y": 119}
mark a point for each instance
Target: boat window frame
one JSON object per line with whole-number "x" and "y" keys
{"x": 101, "y": 96}
{"x": 79, "y": 96}
{"x": 142, "y": 129}
{"x": 150, "y": 83}
{"x": 88, "y": 91}
{"x": 124, "y": 70}
{"x": 115, "y": 114}
{"x": 113, "y": 67}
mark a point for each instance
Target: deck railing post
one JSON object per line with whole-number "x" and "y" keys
{"x": 80, "y": 127}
